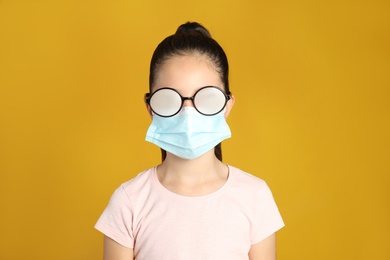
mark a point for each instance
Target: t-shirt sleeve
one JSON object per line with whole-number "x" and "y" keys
{"x": 266, "y": 217}
{"x": 117, "y": 218}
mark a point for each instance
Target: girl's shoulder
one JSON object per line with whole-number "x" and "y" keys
{"x": 246, "y": 183}
{"x": 141, "y": 183}
{"x": 242, "y": 176}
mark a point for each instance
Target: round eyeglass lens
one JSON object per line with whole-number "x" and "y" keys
{"x": 210, "y": 100}
{"x": 165, "y": 102}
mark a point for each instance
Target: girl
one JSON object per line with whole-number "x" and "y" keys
{"x": 192, "y": 205}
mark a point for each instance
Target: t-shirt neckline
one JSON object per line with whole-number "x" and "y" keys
{"x": 174, "y": 195}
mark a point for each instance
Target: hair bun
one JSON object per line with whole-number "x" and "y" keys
{"x": 193, "y": 28}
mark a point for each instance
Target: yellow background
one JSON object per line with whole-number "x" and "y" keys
{"x": 311, "y": 80}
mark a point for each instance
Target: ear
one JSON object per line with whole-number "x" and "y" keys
{"x": 149, "y": 110}
{"x": 229, "y": 105}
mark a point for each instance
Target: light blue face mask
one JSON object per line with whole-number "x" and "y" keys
{"x": 188, "y": 134}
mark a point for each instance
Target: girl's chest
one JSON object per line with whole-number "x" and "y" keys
{"x": 210, "y": 229}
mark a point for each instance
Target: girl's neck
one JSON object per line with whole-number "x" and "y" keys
{"x": 196, "y": 177}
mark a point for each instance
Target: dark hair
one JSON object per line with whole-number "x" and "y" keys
{"x": 190, "y": 38}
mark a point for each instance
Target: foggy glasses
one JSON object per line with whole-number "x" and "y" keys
{"x": 167, "y": 102}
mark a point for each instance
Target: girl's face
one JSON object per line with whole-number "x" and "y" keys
{"x": 187, "y": 74}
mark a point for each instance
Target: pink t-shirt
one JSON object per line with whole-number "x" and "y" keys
{"x": 159, "y": 224}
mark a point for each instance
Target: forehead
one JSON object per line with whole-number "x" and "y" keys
{"x": 187, "y": 74}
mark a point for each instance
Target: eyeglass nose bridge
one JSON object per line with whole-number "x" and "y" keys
{"x": 183, "y": 101}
